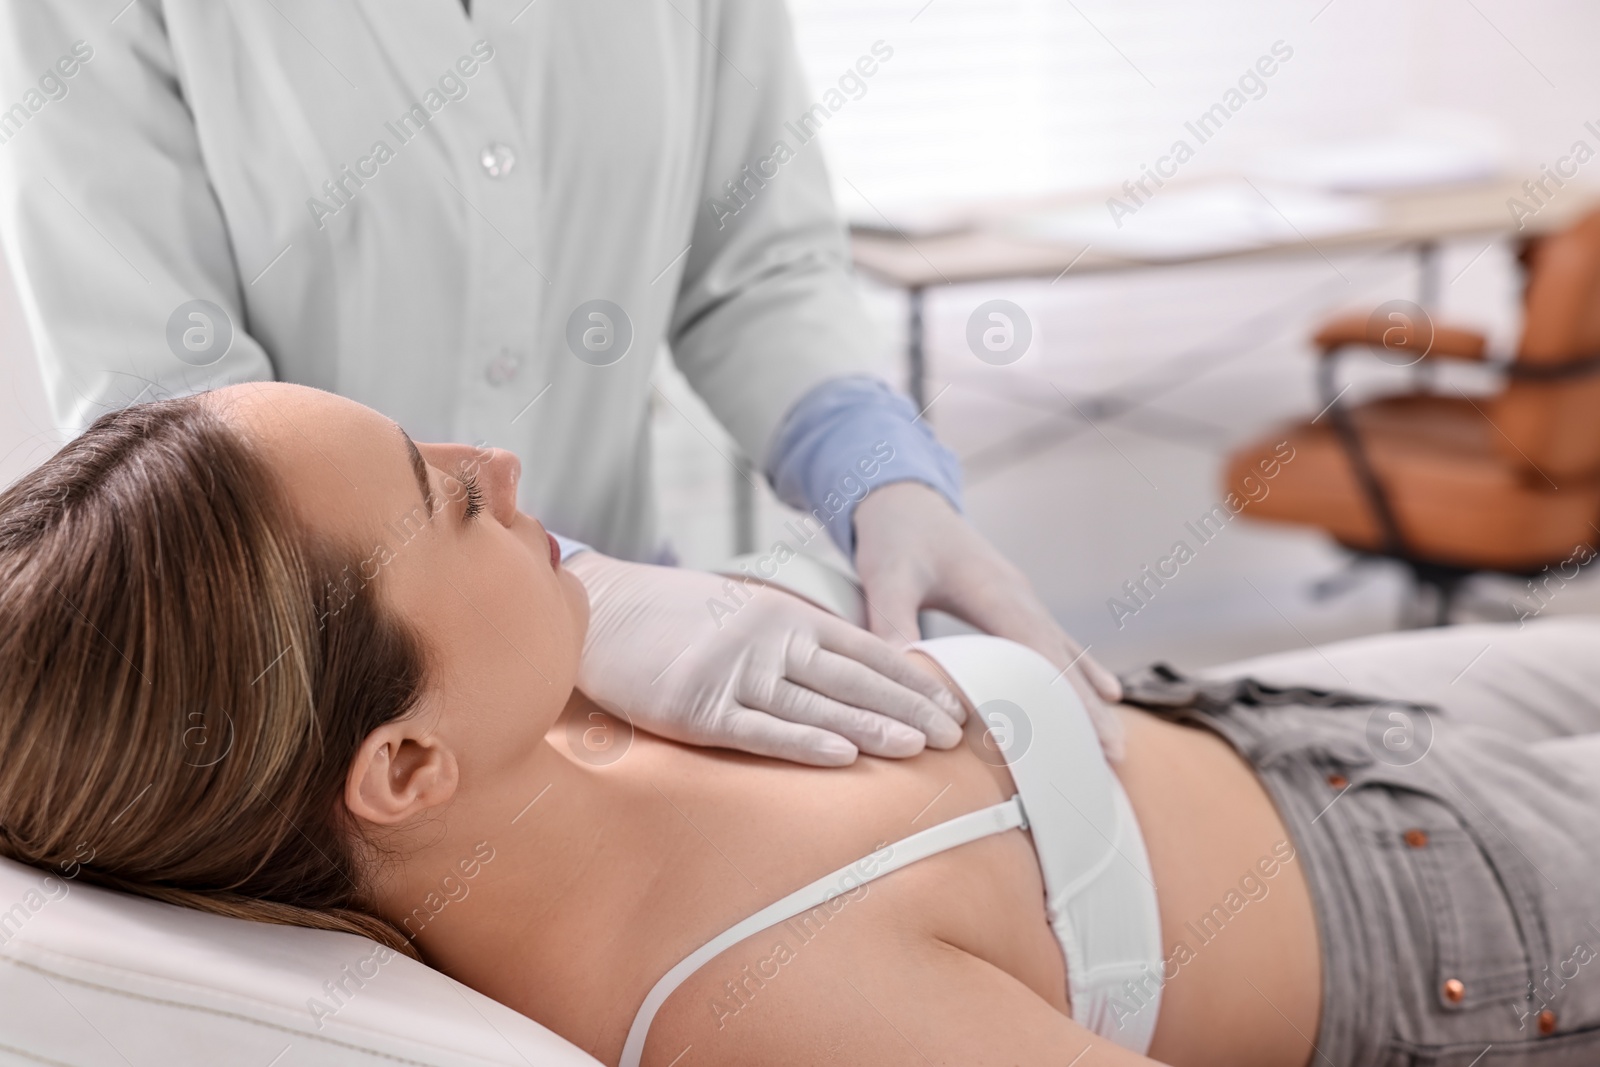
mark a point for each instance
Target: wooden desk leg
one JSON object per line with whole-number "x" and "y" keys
{"x": 1428, "y": 275}
{"x": 916, "y": 354}
{"x": 1428, "y": 300}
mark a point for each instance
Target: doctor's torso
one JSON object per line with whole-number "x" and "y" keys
{"x": 445, "y": 193}
{"x": 476, "y": 225}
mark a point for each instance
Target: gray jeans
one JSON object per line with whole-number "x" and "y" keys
{"x": 1449, "y": 825}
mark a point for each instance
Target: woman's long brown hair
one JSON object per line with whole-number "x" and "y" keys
{"x": 182, "y": 686}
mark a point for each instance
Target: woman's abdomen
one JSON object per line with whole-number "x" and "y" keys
{"x": 1241, "y": 961}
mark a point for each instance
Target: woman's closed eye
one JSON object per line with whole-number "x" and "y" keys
{"x": 474, "y": 508}
{"x": 470, "y": 481}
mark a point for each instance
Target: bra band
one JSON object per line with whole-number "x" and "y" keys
{"x": 1100, "y": 894}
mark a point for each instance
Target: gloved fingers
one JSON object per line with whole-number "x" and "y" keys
{"x": 1053, "y": 642}
{"x": 872, "y": 733}
{"x": 1005, "y": 605}
{"x": 883, "y": 661}
{"x": 1107, "y": 726}
{"x": 1103, "y": 681}
{"x": 763, "y": 734}
{"x": 884, "y": 697}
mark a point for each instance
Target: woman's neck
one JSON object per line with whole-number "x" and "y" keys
{"x": 533, "y": 826}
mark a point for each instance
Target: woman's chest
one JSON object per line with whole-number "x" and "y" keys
{"x": 887, "y": 941}
{"x": 729, "y": 852}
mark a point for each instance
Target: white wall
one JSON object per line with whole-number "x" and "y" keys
{"x": 1026, "y": 95}
{"x": 1029, "y": 95}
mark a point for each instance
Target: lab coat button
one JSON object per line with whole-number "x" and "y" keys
{"x": 497, "y": 159}
{"x": 503, "y": 368}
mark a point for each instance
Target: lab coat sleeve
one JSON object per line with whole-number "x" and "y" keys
{"x": 109, "y": 221}
{"x": 766, "y": 309}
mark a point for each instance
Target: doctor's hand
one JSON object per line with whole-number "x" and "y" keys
{"x": 915, "y": 551}
{"x": 707, "y": 660}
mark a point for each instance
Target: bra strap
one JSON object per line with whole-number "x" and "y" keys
{"x": 1007, "y": 815}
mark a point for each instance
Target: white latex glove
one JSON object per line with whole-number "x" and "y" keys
{"x": 776, "y": 677}
{"x": 915, "y": 551}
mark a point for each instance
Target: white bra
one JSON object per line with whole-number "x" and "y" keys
{"x": 1099, "y": 895}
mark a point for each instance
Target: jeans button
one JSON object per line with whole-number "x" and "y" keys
{"x": 497, "y": 159}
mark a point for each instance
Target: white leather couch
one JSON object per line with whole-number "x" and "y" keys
{"x": 94, "y": 978}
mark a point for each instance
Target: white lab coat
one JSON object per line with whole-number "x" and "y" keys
{"x": 189, "y": 153}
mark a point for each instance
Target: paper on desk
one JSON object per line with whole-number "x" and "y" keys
{"x": 1379, "y": 163}
{"x": 1202, "y": 220}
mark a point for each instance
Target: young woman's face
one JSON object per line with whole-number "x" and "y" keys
{"x": 440, "y": 541}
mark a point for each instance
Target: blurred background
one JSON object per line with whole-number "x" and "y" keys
{"x": 1086, "y": 456}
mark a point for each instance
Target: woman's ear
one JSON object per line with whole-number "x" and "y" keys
{"x": 401, "y": 769}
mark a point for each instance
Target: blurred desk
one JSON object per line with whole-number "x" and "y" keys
{"x": 986, "y": 246}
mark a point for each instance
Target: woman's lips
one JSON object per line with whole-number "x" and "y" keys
{"x": 555, "y": 551}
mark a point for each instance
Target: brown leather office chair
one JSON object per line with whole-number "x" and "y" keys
{"x": 1446, "y": 484}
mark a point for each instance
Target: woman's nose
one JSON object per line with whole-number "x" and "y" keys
{"x": 501, "y": 472}
{"x": 495, "y": 471}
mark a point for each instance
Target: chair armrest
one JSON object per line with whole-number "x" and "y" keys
{"x": 1413, "y": 339}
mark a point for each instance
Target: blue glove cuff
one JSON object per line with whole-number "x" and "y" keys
{"x": 846, "y": 437}
{"x": 569, "y": 547}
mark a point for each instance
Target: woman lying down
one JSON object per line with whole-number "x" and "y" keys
{"x": 1256, "y": 882}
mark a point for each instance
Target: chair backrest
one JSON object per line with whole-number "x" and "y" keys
{"x": 1554, "y": 426}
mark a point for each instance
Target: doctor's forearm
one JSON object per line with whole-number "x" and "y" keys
{"x": 766, "y": 308}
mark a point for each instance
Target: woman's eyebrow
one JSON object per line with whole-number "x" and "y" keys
{"x": 419, "y": 468}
